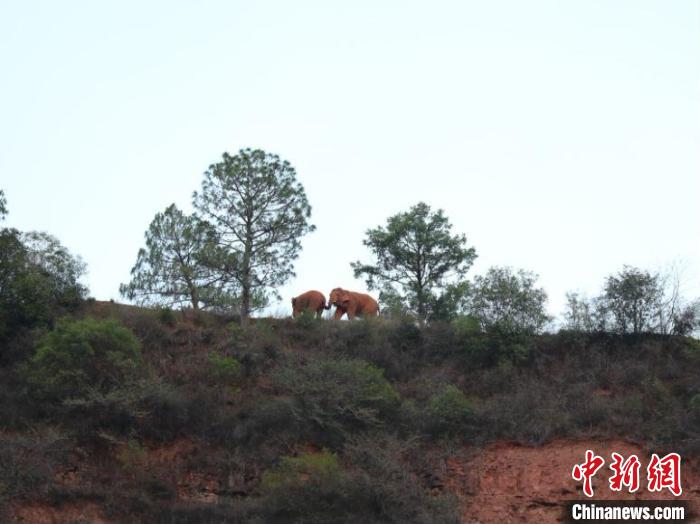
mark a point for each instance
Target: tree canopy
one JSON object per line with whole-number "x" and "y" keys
{"x": 3, "y": 205}
{"x": 417, "y": 259}
{"x": 39, "y": 280}
{"x": 508, "y": 300}
{"x": 635, "y": 301}
{"x": 258, "y": 211}
{"x": 632, "y": 299}
{"x": 170, "y": 270}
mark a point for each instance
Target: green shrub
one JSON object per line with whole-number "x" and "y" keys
{"x": 268, "y": 421}
{"x": 496, "y": 345}
{"x": 171, "y": 412}
{"x": 236, "y": 333}
{"x": 132, "y": 455}
{"x": 312, "y": 488}
{"x": 406, "y": 335}
{"x": 306, "y": 320}
{"x": 450, "y": 412}
{"x": 397, "y": 473}
{"x": 466, "y": 325}
{"x": 255, "y": 346}
{"x": 333, "y": 396}
{"x": 534, "y": 411}
{"x": 79, "y": 356}
{"x": 317, "y": 488}
{"x": 116, "y": 412}
{"x": 396, "y": 346}
{"x": 320, "y": 467}
{"x": 225, "y": 369}
{"x": 167, "y": 316}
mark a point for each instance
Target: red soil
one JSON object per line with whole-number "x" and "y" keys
{"x": 506, "y": 483}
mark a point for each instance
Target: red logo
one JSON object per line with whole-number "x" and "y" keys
{"x": 665, "y": 473}
{"x": 587, "y": 470}
{"x": 625, "y": 473}
{"x": 662, "y": 473}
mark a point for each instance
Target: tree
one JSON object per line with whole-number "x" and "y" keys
{"x": 581, "y": 314}
{"x": 3, "y": 205}
{"x": 636, "y": 301}
{"x": 39, "y": 280}
{"x": 170, "y": 270}
{"x": 686, "y": 319}
{"x": 632, "y": 300}
{"x": 508, "y": 300}
{"x": 417, "y": 257}
{"x": 259, "y": 212}
{"x": 677, "y": 315}
{"x": 54, "y": 262}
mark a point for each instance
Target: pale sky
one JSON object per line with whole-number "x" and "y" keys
{"x": 560, "y": 137}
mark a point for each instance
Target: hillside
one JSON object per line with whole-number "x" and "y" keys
{"x": 315, "y": 421}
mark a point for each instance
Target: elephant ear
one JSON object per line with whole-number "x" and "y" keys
{"x": 344, "y": 296}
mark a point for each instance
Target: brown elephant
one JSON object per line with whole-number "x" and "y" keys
{"x": 352, "y": 303}
{"x": 312, "y": 301}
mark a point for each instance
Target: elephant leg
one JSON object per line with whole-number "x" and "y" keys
{"x": 351, "y": 313}
{"x": 338, "y": 313}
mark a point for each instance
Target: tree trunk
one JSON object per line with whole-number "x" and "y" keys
{"x": 245, "y": 299}
{"x": 247, "y": 277}
{"x": 195, "y": 299}
{"x": 421, "y": 301}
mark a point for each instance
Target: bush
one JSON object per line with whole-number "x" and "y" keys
{"x": 167, "y": 316}
{"x": 225, "y": 369}
{"x": 293, "y": 470}
{"x": 171, "y": 412}
{"x": 255, "y": 346}
{"x": 318, "y": 488}
{"x": 394, "y": 345}
{"x": 334, "y": 396}
{"x": 312, "y": 488}
{"x": 399, "y": 493}
{"x": 450, "y": 413}
{"x": 306, "y": 320}
{"x": 80, "y": 356}
{"x": 265, "y": 421}
{"x": 27, "y": 463}
{"x": 466, "y": 325}
{"x": 496, "y": 346}
{"x": 532, "y": 414}
{"x": 149, "y": 409}
{"x": 202, "y": 513}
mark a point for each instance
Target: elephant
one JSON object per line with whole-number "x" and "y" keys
{"x": 312, "y": 301}
{"x": 352, "y": 303}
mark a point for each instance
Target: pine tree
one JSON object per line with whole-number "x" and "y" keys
{"x": 259, "y": 212}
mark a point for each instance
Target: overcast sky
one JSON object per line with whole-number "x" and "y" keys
{"x": 560, "y": 137}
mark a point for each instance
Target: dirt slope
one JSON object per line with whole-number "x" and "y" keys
{"x": 507, "y": 483}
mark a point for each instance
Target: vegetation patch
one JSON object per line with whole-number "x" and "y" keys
{"x": 80, "y": 356}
